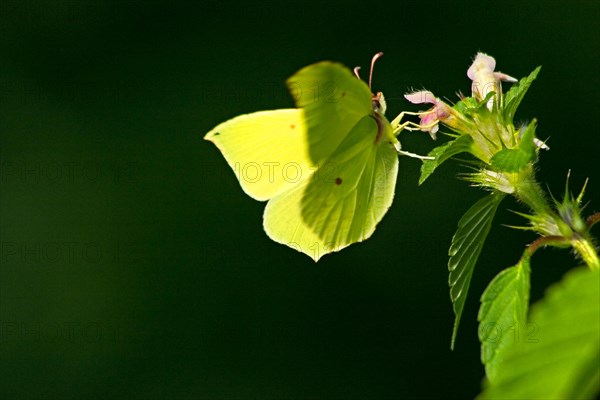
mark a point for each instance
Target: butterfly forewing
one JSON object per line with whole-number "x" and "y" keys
{"x": 266, "y": 150}
{"x": 334, "y": 100}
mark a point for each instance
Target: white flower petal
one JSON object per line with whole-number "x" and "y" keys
{"x": 481, "y": 63}
{"x": 504, "y": 77}
{"x": 420, "y": 97}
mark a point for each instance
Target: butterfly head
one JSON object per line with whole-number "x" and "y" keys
{"x": 379, "y": 104}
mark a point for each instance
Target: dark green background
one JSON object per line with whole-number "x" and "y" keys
{"x": 133, "y": 265}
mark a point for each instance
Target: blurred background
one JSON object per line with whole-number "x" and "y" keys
{"x": 133, "y": 265}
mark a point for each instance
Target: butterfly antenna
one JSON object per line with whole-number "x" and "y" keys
{"x": 356, "y": 72}
{"x": 375, "y": 58}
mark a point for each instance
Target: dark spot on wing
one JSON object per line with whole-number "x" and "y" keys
{"x": 217, "y": 133}
{"x": 338, "y": 181}
{"x": 292, "y": 126}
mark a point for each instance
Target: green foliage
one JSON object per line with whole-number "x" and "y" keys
{"x": 503, "y": 314}
{"x": 570, "y": 210}
{"x": 470, "y": 106}
{"x": 466, "y": 246}
{"x": 513, "y": 160}
{"x": 510, "y": 160}
{"x": 555, "y": 353}
{"x": 442, "y": 153}
{"x": 562, "y": 361}
{"x": 513, "y": 97}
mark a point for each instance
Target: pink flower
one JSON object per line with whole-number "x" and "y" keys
{"x": 429, "y": 119}
{"x": 485, "y": 80}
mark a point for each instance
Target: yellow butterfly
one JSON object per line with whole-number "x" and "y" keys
{"x": 327, "y": 168}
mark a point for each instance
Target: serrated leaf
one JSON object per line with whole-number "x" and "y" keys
{"x": 527, "y": 144}
{"x": 561, "y": 358}
{"x": 503, "y": 314}
{"x": 513, "y": 160}
{"x": 513, "y": 97}
{"x": 444, "y": 152}
{"x": 464, "y": 251}
{"x": 467, "y": 105}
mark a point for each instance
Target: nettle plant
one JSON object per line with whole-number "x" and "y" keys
{"x": 552, "y": 350}
{"x": 328, "y": 170}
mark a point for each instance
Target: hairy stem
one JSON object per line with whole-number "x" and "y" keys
{"x": 592, "y": 219}
{"x": 586, "y": 250}
{"x": 546, "y": 241}
{"x": 528, "y": 191}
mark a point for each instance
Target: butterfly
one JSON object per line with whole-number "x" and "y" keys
{"x": 327, "y": 168}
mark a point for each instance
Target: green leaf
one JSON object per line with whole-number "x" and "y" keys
{"x": 469, "y": 106}
{"x": 465, "y": 104}
{"x": 464, "y": 251}
{"x": 503, "y": 314}
{"x": 513, "y": 160}
{"x": 483, "y": 103}
{"x": 527, "y": 144}
{"x": 513, "y": 97}
{"x": 560, "y": 359}
{"x": 444, "y": 152}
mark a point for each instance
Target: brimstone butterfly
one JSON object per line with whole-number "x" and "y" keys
{"x": 327, "y": 168}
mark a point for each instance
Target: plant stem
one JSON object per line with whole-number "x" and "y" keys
{"x": 528, "y": 191}
{"x": 546, "y": 241}
{"x": 586, "y": 249}
{"x": 592, "y": 219}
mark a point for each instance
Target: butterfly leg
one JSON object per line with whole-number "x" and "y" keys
{"x": 409, "y": 154}
{"x": 413, "y": 155}
{"x": 398, "y": 125}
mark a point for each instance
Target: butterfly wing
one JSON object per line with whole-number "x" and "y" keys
{"x": 267, "y": 150}
{"x": 342, "y": 202}
{"x": 283, "y": 222}
{"x": 327, "y": 173}
{"x": 333, "y": 101}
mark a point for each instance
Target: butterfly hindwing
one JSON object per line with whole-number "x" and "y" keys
{"x": 344, "y": 205}
{"x": 342, "y": 201}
